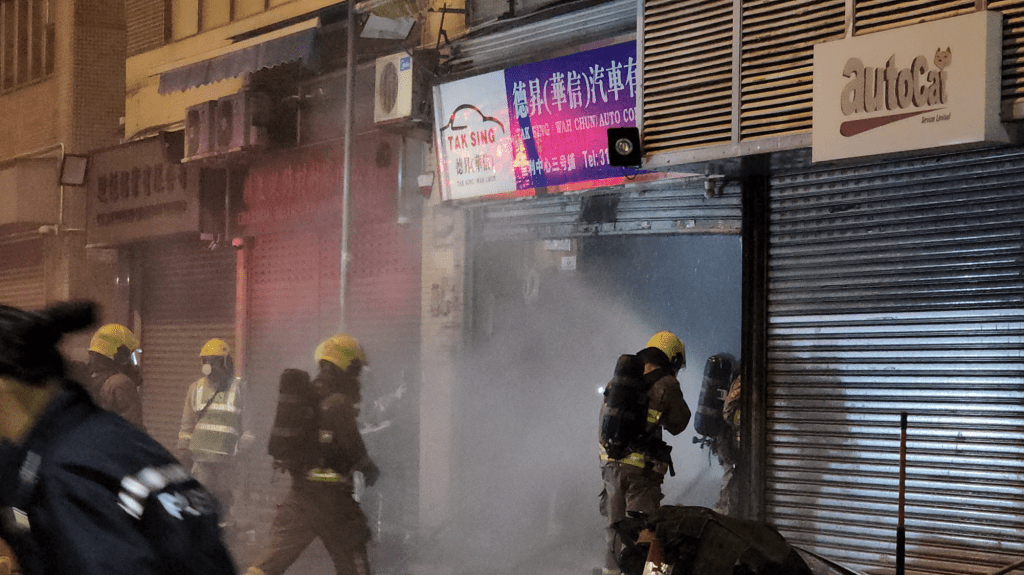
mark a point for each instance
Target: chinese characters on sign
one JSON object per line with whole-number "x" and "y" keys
{"x": 535, "y": 126}
{"x": 135, "y": 193}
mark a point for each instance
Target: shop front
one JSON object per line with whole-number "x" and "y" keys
{"x": 894, "y": 290}
{"x": 566, "y": 261}
{"x": 148, "y": 216}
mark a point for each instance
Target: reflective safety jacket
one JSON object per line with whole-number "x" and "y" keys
{"x": 211, "y": 422}
{"x": 666, "y": 409}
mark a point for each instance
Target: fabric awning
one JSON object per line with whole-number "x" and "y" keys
{"x": 265, "y": 51}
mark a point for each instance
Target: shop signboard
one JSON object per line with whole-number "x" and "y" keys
{"x": 918, "y": 87}
{"x": 536, "y": 128}
{"x": 135, "y": 194}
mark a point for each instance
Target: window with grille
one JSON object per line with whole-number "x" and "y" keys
{"x": 26, "y": 42}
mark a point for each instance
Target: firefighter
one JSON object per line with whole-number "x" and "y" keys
{"x": 114, "y": 377}
{"x": 211, "y": 433}
{"x": 633, "y": 483}
{"x": 320, "y": 502}
{"x": 729, "y": 450}
{"x": 82, "y": 490}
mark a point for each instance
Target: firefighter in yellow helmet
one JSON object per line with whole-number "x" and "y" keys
{"x": 320, "y": 502}
{"x": 212, "y": 432}
{"x": 633, "y": 482}
{"x": 114, "y": 376}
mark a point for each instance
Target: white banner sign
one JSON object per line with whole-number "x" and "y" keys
{"x": 925, "y": 86}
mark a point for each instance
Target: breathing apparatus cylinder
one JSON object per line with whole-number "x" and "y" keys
{"x": 718, "y": 376}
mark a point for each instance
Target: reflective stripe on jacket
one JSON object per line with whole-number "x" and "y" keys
{"x": 216, "y": 433}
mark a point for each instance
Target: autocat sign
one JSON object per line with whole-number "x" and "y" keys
{"x": 924, "y": 86}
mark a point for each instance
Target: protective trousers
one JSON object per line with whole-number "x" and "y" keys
{"x": 218, "y": 477}
{"x": 626, "y": 488}
{"x": 312, "y": 510}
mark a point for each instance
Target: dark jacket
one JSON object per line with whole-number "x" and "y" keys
{"x": 88, "y": 493}
{"x": 666, "y": 398}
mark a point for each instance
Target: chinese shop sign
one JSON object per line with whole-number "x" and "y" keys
{"x": 538, "y": 127}
{"x": 134, "y": 193}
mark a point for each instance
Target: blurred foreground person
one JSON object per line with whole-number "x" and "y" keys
{"x": 211, "y": 423}
{"x": 316, "y": 439}
{"x": 642, "y": 398}
{"x": 82, "y": 491}
{"x": 113, "y": 372}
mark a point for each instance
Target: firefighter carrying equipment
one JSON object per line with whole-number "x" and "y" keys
{"x": 671, "y": 346}
{"x": 718, "y": 376}
{"x": 341, "y": 350}
{"x": 109, "y": 339}
{"x": 293, "y": 437}
{"x": 628, "y": 421}
{"x": 624, "y": 414}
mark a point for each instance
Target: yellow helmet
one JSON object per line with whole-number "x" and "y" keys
{"x": 112, "y": 336}
{"x": 672, "y": 346}
{"x": 341, "y": 350}
{"x": 215, "y": 347}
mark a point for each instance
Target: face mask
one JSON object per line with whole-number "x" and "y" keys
{"x": 207, "y": 369}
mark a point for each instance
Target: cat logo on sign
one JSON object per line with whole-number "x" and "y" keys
{"x": 912, "y": 88}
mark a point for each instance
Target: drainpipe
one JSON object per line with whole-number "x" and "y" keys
{"x": 346, "y": 186}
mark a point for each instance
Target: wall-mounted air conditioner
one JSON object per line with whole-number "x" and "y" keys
{"x": 199, "y": 134}
{"x": 401, "y": 87}
{"x": 241, "y": 122}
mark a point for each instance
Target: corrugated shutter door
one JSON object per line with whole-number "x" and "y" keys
{"x": 22, "y": 275}
{"x": 897, "y": 287}
{"x": 668, "y": 207}
{"x": 189, "y": 297}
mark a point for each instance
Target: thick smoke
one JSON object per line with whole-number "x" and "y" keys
{"x": 544, "y": 343}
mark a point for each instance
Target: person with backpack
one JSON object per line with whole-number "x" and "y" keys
{"x": 316, "y": 439}
{"x": 642, "y": 398}
{"x": 112, "y": 373}
{"x": 82, "y": 490}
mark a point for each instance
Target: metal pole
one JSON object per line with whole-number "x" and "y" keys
{"x": 346, "y": 186}
{"x": 901, "y": 534}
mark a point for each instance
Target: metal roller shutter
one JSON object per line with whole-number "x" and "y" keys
{"x": 22, "y": 275}
{"x": 897, "y": 287}
{"x": 188, "y": 298}
{"x": 668, "y": 207}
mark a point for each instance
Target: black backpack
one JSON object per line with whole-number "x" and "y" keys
{"x": 624, "y": 413}
{"x": 293, "y": 439}
{"x": 718, "y": 375}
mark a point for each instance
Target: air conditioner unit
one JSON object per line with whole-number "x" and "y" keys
{"x": 241, "y": 122}
{"x": 400, "y": 90}
{"x": 199, "y": 130}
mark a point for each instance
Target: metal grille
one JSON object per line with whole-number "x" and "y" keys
{"x": 670, "y": 207}
{"x": 1013, "y": 47}
{"x": 189, "y": 298}
{"x": 877, "y": 15}
{"x": 777, "y": 57}
{"x": 687, "y": 73}
{"x": 897, "y": 287}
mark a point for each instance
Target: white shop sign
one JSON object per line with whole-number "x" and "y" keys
{"x": 924, "y": 86}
